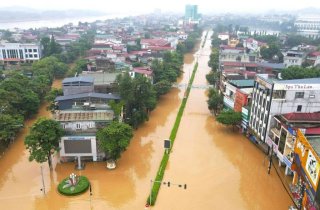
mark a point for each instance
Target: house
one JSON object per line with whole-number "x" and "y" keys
{"x": 294, "y": 58}
{"x": 145, "y": 71}
{"x": 236, "y": 54}
{"x": 253, "y": 44}
{"x": 223, "y": 36}
{"x": 76, "y": 85}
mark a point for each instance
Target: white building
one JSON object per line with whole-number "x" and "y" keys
{"x": 308, "y": 26}
{"x": 17, "y": 52}
{"x": 294, "y": 58}
{"x": 273, "y": 97}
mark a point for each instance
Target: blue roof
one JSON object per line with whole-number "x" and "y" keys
{"x": 300, "y": 81}
{"x": 85, "y": 95}
{"x": 78, "y": 79}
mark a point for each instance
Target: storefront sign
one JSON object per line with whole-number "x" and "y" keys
{"x": 312, "y": 168}
{"x": 297, "y": 86}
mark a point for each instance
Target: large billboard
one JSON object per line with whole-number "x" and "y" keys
{"x": 77, "y": 146}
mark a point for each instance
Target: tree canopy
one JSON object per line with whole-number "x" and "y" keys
{"x": 43, "y": 140}
{"x": 114, "y": 139}
{"x": 296, "y": 72}
{"x": 215, "y": 101}
{"x": 229, "y": 117}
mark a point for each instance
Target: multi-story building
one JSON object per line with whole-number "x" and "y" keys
{"x": 191, "y": 13}
{"x": 12, "y": 53}
{"x": 294, "y": 58}
{"x": 271, "y": 97}
{"x": 81, "y": 112}
{"x": 308, "y": 26}
{"x": 282, "y": 133}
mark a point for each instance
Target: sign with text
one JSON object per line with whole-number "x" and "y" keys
{"x": 167, "y": 144}
{"x": 313, "y": 169}
{"x": 297, "y": 86}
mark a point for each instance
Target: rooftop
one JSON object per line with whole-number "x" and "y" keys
{"x": 103, "y": 78}
{"x": 78, "y": 79}
{"x": 85, "y": 95}
{"x": 242, "y": 83}
{"x": 96, "y": 115}
{"x": 308, "y": 81}
{"x": 302, "y": 117}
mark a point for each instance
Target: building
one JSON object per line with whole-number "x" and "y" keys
{"x": 294, "y": 58}
{"x": 282, "y": 134}
{"x": 76, "y": 85}
{"x": 308, "y": 26}
{"x": 14, "y": 53}
{"x": 306, "y": 164}
{"x": 272, "y": 97}
{"x": 191, "y": 14}
{"x": 81, "y": 114}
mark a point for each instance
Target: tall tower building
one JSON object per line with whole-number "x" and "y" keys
{"x": 191, "y": 12}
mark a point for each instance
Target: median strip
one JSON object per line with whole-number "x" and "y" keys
{"x": 158, "y": 180}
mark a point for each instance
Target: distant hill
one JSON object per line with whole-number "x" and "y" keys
{"x": 15, "y": 14}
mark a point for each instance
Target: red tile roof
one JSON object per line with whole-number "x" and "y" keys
{"x": 143, "y": 70}
{"x": 154, "y": 42}
{"x": 302, "y": 117}
{"x": 313, "y": 131}
{"x": 315, "y": 54}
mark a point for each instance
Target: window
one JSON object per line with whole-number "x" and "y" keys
{"x": 299, "y": 108}
{"x": 35, "y": 55}
{"x": 279, "y": 94}
{"x": 299, "y": 95}
{"x": 34, "y": 50}
{"x": 30, "y": 50}
{"x": 78, "y": 125}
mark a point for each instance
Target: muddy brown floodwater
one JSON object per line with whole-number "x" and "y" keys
{"x": 126, "y": 187}
{"x": 221, "y": 168}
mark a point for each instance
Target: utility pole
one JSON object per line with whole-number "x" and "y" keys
{"x": 270, "y": 159}
{"x": 43, "y": 189}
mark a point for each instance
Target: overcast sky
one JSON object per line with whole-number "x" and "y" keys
{"x": 144, "y": 6}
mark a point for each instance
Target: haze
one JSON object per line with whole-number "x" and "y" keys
{"x": 146, "y": 6}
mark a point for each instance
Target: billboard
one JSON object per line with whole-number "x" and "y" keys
{"x": 77, "y": 146}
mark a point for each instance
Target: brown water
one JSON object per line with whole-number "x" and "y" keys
{"x": 222, "y": 169}
{"x": 126, "y": 187}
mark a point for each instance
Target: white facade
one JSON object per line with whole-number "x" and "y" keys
{"x": 19, "y": 52}
{"x": 294, "y": 58}
{"x": 308, "y": 26}
{"x": 279, "y": 97}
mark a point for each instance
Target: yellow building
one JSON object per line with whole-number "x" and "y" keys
{"x": 306, "y": 190}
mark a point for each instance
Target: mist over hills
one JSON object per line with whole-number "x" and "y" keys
{"x": 15, "y": 14}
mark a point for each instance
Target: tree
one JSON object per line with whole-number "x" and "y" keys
{"x": 269, "y": 52}
{"x": 162, "y": 87}
{"x": 9, "y": 126}
{"x": 51, "y": 96}
{"x": 215, "y": 101}
{"x": 296, "y": 72}
{"x": 114, "y": 139}
{"x": 117, "y": 108}
{"x": 43, "y": 140}
{"x": 212, "y": 77}
{"x": 229, "y": 117}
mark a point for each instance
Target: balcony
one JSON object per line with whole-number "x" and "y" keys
{"x": 275, "y": 131}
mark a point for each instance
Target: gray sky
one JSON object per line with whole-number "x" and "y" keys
{"x": 137, "y": 6}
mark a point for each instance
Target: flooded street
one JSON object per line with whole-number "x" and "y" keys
{"x": 222, "y": 169}
{"x": 126, "y": 187}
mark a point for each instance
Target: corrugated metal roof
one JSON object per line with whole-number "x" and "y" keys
{"x": 302, "y": 117}
{"x": 300, "y": 81}
{"x": 78, "y": 79}
{"x": 84, "y": 95}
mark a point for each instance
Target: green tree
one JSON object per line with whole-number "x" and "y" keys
{"x": 296, "y": 72}
{"x": 229, "y": 117}
{"x": 51, "y": 96}
{"x": 162, "y": 87}
{"x": 114, "y": 139}
{"x": 9, "y": 126}
{"x": 117, "y": 108}
{"x": 212, "y": 77}
{"x": 215, "y": 101}
{"x": 268, "y": 52}
{"x": 43, "y": 140}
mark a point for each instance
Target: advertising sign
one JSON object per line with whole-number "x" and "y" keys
{"x": 312, "y": 168}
